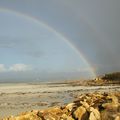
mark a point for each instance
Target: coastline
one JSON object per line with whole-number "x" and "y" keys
{"x": 20, "y": 97}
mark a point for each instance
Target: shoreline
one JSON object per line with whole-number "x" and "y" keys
{"x": 92, "y": 106}
{"x": 17, "y": 98}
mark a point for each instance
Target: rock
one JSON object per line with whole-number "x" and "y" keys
{"x": 111, "y": 105}
{"x": 10, "y": 118}
{"x": 117, "y": 118}
{"x": 92, "y": 116}
{"x": 85, "y": 104}
{"x": 51, "y": 116}
{"x": 31, "y": 116}
{"x": 65, "y": 117}
{"x": 95, "y": 114}
{"x": 39, "y": 114}
{"x": 55, "y": 110}
{"x": 81, "y": 113}
{"x": 114, "y": 99}
{"x": 95, "y": 106}
{"x": 51, "y": 113}
{"x": 70, "y": 106}
{"x": 108, "y": 115}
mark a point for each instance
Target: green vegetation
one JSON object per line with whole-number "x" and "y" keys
{"x": 112, "y": 76}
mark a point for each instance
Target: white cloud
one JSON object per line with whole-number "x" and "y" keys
{"x": 2, "y": 68}
{"x": 20, "y": 68}
{"x": 15, "y": 68}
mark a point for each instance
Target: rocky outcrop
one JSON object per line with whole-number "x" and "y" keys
{"x": 95, "y": 106}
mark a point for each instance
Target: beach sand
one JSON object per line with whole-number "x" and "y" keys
{"x": 20, "y": 97}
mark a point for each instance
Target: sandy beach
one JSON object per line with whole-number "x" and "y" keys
{"x": 20, "y": 97}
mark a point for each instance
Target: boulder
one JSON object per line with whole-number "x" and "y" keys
{"x": 65, "y": 117}
{"x": 70, "y": 106}
{"x": 81, "y": 113}
{"x": 95, "y": 114}
{"x": 85, "y": 104}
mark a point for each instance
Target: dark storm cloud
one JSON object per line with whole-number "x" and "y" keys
{"x": 92, "y": 26}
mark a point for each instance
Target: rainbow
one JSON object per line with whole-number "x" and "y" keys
{"x": 48, "y": 27}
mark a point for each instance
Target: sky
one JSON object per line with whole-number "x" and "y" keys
{"x": 58, "y": 40}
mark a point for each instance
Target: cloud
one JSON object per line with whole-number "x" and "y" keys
{"x": 2, "y": 68}
{"x": 15, "y": 68}
{"x": 20, "y": 68}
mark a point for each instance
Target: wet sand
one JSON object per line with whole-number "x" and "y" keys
{"x": 20, "y": 97}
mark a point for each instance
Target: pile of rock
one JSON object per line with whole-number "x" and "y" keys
{"x": 95, "y": 106}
